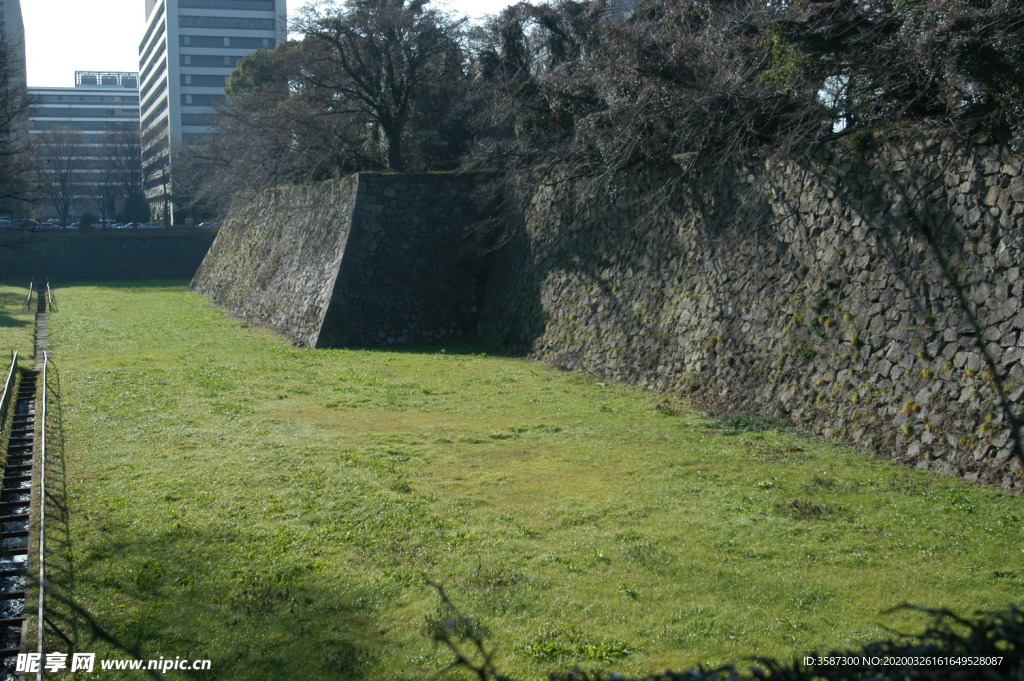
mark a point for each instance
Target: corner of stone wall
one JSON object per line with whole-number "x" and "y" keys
{"x": 276, "y": 256}
{"x": 371, "y": 259}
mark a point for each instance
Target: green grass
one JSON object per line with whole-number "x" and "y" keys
{"x": 279, "y": 510}
{"x": 17, "y": 327}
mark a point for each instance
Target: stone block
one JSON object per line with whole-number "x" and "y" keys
{"x": 974, "y": 362}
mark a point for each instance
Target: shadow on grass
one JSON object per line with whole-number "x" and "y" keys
{"x": 6, "y": 321}
{"x": 60, "y": 549}
{"x": 11, "y": 304}
{"x": 281, "y": 614}
{"x": 267, "y": 605}
{"x": 140, "y": 284}
{"x": 458, "y": 348}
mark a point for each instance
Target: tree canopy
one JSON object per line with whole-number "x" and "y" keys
{"x": 398, "y": 85}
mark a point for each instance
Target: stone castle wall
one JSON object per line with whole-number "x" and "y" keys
{"x": 872, "y": 296}
{"x": 102, "y": 255}
{"x": 371, "y": 259}
{"x": 276, "y": 257}
{"x": 412, "y": 271}
{"x": 857, "y": 294}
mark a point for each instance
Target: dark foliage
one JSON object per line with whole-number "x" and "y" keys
{"x": 396, "y": 66}
{"x": 575, "y": 83}
{"x": 378, "y": 84}
{"x": 372, "y": 85}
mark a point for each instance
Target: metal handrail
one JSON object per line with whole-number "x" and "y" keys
{"x": 5, "y": 401}
{"x": 42, "y": 522}
{"x": 28, "y": 298}
{"x": 51, "y": 306}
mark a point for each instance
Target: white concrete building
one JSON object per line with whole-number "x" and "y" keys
{"x": 12, "y": 92}
{"x": 186, "y": 57}
{"x": 97, "y": 112}
{"x": 12, "y": 34}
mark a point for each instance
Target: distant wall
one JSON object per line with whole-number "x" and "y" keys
{"x": 372, "y": 259}
{"x": 102, "y": 254}
{"x": 813, "y": 291}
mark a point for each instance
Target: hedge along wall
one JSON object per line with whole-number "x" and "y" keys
{"x": 814, "y": 291}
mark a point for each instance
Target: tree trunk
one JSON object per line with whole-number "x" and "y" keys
{"x": 393, "y": 138}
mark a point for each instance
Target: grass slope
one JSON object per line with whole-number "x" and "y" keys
{"x": 277, "y": 510}
{"x": 17, "y": 327}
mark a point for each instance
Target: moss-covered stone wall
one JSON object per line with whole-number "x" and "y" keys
{"x": 371, "y": 259}
{"x": 275, "y": 259}
{"x": 856, "y": 293}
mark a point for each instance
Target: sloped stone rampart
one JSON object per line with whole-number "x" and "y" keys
{"x": 275, "y": 258}
{"x": 871, "y": 296}
{"x": 856, "y": 294}
{"x": 371, "y": 259}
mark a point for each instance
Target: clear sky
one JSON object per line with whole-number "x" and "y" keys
{"x": 64, "y": 36}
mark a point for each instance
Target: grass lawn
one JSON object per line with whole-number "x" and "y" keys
{"x": 17, "y": 327}
{"x": 279, "y": 510}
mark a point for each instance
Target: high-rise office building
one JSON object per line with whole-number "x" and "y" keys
{"x": 87, "y": 137}
{"x": 13, "y": 122}
{"x": 12, "y": 35}
{"x": 186, "y": 57}
{"x": 12, "y": 39}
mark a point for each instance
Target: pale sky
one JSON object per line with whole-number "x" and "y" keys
{"x": 64, "y": 36}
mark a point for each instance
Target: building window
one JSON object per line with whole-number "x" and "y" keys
{"x": 186, "y": 59}
{"x": 204, "y": 81}
{"x": 227, "y": 22}
{"x": 186, "y": 40}
{"x": 257, "y": 5}
{"x": 227, "y": 42}
{"x": 204, "y": 120}
{"x": 202, "y": 100}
